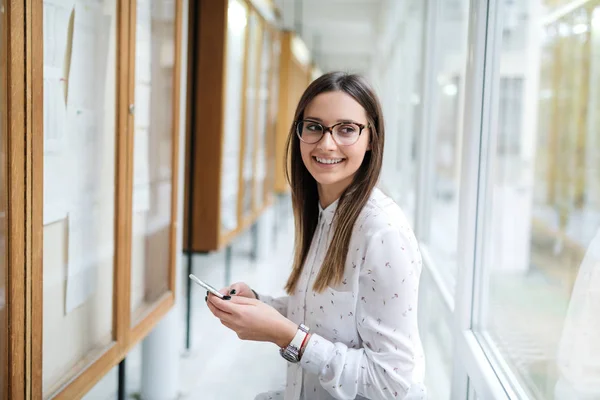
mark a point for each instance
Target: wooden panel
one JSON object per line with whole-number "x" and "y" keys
{"x": 206, "y": 134}
{"x": 257, "y": 117}
{"x": 16, "y": 247}
{"x": 176, "y": 151}
{"x": 80, "y": 385}
{"x": 149, "y": 321}
{"x": 293, "y": 80}
{"x": 128, "y": 145}
{"x": 29, "y": 188}
{"x": 283, "y": 119}
{"x": 36, "y": 165}
{"x": 4, "y": 377}
{"x": 122, "y": 273}
{"x": 193, "y": 34}
{"x": 272, "y": 114}
{"x": 257, "y": 101}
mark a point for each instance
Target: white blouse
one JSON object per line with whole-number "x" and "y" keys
{"x": 365, "y": 341}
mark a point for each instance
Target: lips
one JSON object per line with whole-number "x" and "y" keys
{"x": 328, "y": 161}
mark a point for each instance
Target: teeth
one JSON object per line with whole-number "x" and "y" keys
{"x": 328, "y": 160}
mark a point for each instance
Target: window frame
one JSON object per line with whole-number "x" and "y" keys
{"x": 478, "y": 368}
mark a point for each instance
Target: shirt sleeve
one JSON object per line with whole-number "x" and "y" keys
{"x": 278, "y": 303}
{"x": 390, "y": 364}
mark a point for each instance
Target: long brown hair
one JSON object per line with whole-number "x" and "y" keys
{"x": 305, "y": 196}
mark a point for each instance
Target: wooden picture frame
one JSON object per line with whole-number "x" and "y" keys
{"x": 4, "y": 182}
{"x": 18, "y": 351}
{"x": 25, "y": 158}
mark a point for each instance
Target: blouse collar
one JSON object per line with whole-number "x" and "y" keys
{"x": 328, "y": 212}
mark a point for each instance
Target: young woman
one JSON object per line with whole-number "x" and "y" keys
{"x": 349, "y": 324}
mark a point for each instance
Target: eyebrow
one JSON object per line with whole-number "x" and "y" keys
{"x": 339, "y": 120}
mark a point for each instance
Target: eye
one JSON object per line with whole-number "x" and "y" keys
{"x": 313, "y": 127}
{"x": 348, "y": 129}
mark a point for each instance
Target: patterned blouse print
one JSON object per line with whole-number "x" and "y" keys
{"x": 365, "y": 341}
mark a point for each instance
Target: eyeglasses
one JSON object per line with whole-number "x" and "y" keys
{"x": 344, "y": 133}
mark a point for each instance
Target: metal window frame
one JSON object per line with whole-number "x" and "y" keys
{"x": 477, "y": 367}
{"x": 473, "y": 369}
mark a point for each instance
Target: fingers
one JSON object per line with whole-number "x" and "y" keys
{"x": 243, "y": 300}
{"x": 217, "y": 312}
{"x": 236, "y": 288}
{"x": 221, "y": 304}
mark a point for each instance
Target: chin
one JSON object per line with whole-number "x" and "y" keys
{"x": 327, "y": 180}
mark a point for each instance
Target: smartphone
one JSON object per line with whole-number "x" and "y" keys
{"x": 207, "y": 286}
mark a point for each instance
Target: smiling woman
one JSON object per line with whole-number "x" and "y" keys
{"x": 348, "y": 326}
{"x": 333, "y": 159}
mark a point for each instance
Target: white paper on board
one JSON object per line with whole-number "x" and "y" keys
{"x": 57, "y": 14}
{"x": 81, "y": 270}
{"x": 85, "y": 161}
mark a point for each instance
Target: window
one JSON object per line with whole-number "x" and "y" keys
{"x": 401, "y": 94}
{"x": 538, "y": 296}
{"x": 443, "y": 155}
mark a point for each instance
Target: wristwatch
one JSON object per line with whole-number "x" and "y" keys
{"x": 292, "y": 351}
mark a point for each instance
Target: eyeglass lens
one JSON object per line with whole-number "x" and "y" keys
{"x": 343, "y": 134}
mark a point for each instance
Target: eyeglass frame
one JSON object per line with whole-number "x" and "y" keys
{"x": 330, "y": 129}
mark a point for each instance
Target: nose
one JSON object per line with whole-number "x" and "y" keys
{"x": 327, "y": 143}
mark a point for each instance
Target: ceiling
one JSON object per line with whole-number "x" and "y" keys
{"x": 341, "y": 34}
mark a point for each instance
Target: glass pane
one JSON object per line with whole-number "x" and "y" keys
{"x": 451, "y": 54}
{"x": 79, "y": 185}
{"x": 435, "y": 326}
{"x": 253, "y": 49}
{"x": 540, "y": 297}
{"x": 237, "y": 15}
{"x": 263, "y": 109}
{"x": 153, "y": 149}
{"x": 552, "y": 5}
{"x": 3, "y": 196}
{"x": 401, "y": 93}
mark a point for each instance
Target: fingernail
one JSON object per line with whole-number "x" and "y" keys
{"x": 232, "y": 292}
{"x": 226, "y": 297}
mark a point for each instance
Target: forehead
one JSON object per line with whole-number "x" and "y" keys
{"x": 333, "y": 106}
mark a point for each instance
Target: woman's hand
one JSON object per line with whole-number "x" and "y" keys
{"x": 239, "y": 289}
{"x": 253, "y": 320}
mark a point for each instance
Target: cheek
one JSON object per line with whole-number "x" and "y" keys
{"x": 355, "y": 159}
{"x": 305, "y": 150}
{"x": 356, "y": 154}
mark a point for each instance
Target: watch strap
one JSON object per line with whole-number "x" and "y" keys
{"x": 292, "y": 351}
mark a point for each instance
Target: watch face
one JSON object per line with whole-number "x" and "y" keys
{"x": 289, "y": 355}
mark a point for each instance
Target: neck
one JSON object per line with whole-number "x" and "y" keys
{"x": 330, "y": 193}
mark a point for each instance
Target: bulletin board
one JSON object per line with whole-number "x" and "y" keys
{"x": 89, "y": 187}
{"x": 230, "y": 98}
